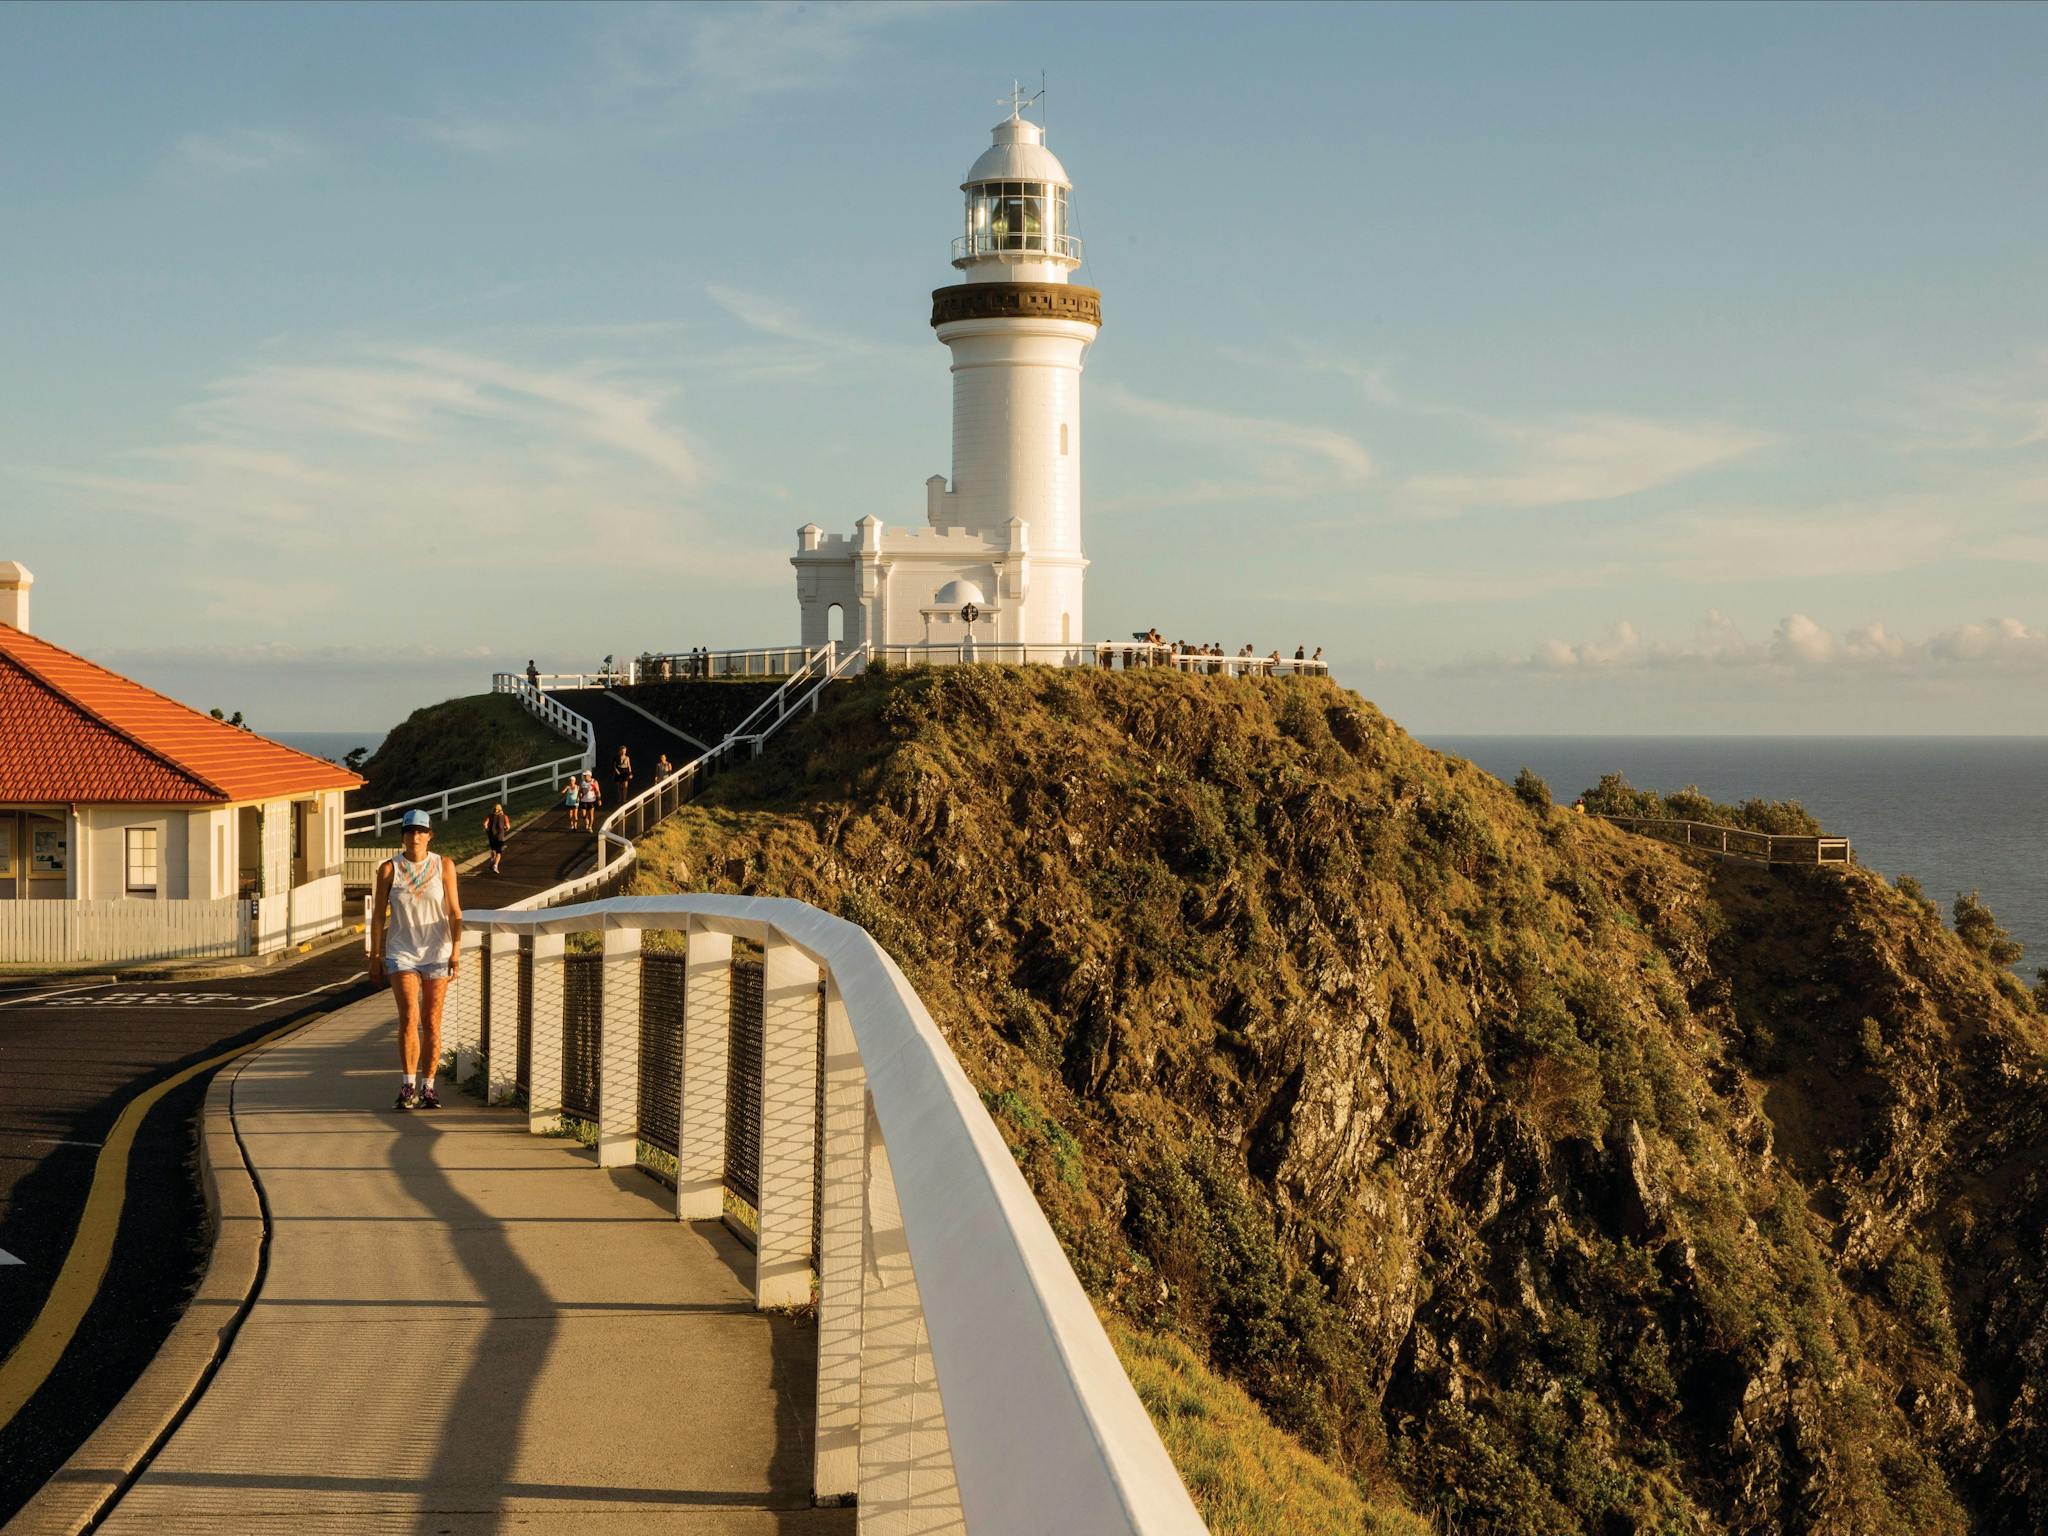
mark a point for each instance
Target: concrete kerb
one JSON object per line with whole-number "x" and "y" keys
{"x": 79, "y": 1493}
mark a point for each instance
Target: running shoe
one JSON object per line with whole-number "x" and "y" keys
{"x": 407, "y": 1098}
{"x": 428, "y": 1098}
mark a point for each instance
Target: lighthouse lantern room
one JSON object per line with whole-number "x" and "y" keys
{"x": 1007, "y": 524}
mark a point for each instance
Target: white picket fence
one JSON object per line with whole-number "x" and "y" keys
{"x": 60, "y": 932}
{"x": 117, "y": 930}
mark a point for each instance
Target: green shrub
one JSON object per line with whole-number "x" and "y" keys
{"x": 1977, "y": 928}
{"x": 1531, "y": 790}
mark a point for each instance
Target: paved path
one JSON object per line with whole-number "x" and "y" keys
{"x": 467, "y": 1328}
{"x": 73, "y": 1053}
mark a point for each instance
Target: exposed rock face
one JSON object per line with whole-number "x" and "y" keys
{"x": 1578, "y": 1187}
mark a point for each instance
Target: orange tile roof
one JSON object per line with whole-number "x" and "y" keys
{"x": 73, "y": 732}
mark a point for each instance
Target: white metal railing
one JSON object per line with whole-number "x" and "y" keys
{"x": 1128, "y": 655}
{"x": 963, "y": 1377}
{"x": 376, "y": 821}
{"x": 552, "y": 713}
{"x": 372, "y": 821}
{"x": 768, "y": 661}
{"x": 1023, "y": 247}
{"x": 825, "y": 662}
{"x": 664, "y": 666}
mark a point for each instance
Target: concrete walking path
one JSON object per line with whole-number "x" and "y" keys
{"x": 466, "y": 1328}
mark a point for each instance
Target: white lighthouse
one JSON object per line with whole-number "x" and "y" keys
{"x": 999, "y": 563}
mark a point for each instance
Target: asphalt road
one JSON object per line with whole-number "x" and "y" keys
{"x": 71, "y": 1055}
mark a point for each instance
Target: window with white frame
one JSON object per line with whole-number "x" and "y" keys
{"x": 142, "y": 860}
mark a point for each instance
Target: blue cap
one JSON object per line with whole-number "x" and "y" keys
{"x": 413, "y": 819}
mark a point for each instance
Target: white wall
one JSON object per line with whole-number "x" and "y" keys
{"x": 102, "y": 858}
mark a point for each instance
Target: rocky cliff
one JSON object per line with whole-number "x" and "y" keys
{"x": 1515, "y": 1161}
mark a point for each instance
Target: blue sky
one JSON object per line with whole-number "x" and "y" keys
{"x": 1576, "y": 369}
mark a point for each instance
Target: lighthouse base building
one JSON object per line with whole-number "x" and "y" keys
{"x": 997, "y": 565}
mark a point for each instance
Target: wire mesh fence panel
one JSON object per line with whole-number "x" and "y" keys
{"x": 482, "y": 962}
{"x": 818, "y": 1148}
{"x": 582, "y": 989}
{"x": 523, "y": 1070}
{"x": 661, "y": 1049}
{"x": 743, "y": 1084}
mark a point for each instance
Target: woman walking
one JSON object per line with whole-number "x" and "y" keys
{"x": 416, "y": 942}
{"x": 497, "y": 827}
{"x": 572, "y": 798}
{"x": 589, "y": 800}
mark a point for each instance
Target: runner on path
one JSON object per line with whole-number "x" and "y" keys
{"x": 415, "y": 939}
{"x": 622, "y": 775}
{"x": 497, "y": 828}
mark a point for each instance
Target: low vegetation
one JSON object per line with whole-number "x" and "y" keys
{"x": 1615, "y": 796}
{"x": 454, "y": 743}
{"x": 1539, "y": 1177}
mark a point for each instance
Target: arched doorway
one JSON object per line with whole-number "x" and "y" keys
{"x": 835, "y": 624}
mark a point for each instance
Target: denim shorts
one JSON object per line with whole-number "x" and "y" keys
{"x": 426, "y": 970}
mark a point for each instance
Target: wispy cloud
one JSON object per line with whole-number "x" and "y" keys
{"x": 453, "y": 454}
{"x": 802, "y": 346}
{"x": 228, "y": 154}
{"x": 662, "y": 69}
{"x": 741, "y": 51}
{"x": 1580, "y": 459}
{"x": 1289, "y": 460}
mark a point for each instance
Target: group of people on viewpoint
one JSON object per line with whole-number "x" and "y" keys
{"x": 1154, "y": 649}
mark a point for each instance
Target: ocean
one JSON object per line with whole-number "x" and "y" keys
{"x": 1958, "y": 813}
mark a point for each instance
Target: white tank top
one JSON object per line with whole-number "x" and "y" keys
{"x": 417, "y": 932}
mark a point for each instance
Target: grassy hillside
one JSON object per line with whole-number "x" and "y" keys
{"x": 1514, "y": 1166}
{"x": 454, "y": 742}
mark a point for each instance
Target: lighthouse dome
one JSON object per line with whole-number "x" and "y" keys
{"x": 1018, "y": 154}
{"x": 958, "y": 594}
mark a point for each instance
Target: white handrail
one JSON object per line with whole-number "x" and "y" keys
{"x": 825, "y": 656}
{"x": 558, "y": 717}
{"x": 1040, "y": 1429}
{"x": 372, "y": 820}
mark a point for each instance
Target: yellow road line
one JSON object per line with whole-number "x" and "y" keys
{"x": 85, "y": 1266}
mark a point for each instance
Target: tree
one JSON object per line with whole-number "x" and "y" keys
{"x": 1976, "y": 927}
{"x": 1532, "y": 791}
{"x": 354, "y": 758}
{"x": 1615, "y": 796}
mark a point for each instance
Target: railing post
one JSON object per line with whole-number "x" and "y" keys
{"x": 618, "y": 1076}
{"x": 544, "y": 1066}
{"x": 907, "y": 1482}
{"x": 789, "y": 1123}
{"x": 463, "y": 1009}
{"x": 707, "y": 1028}
{"x": 502, "y": 1070}
{"x": 835, "y": 1461}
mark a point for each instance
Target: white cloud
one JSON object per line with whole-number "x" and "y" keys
{"x": 1799, "y": 643}
{"x": 235, "y": 152}
{"x": 2002, "y": 643}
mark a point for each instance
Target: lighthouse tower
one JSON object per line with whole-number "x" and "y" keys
{"x": 999, "y": 563}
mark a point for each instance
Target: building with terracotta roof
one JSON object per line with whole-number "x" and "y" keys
{"x": 161, "y": 830}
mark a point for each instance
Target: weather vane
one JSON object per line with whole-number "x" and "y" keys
{"x": 1017, "y": 101}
